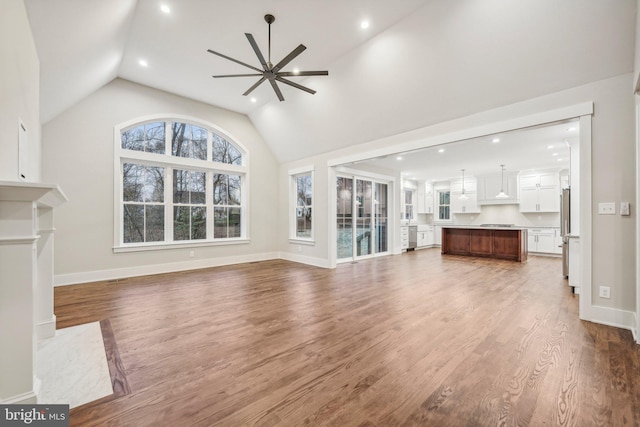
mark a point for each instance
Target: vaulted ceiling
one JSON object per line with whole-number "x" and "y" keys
{"x": 418, "y": 63}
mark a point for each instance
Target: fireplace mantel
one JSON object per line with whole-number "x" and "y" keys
{"x": 26, "y": 283}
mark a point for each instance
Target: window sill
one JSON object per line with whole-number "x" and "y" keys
{"x": 164, "y": 246}
{"x": 310, "y": 242}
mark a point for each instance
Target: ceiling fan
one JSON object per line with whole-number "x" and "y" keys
{"x": 269, "y": 71}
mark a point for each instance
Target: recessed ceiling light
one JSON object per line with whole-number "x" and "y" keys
{"x": 571, "y": 129}
{"x": 253, "y": 100}
{"x": 495, "y": 140}
{"x": 165, "y": 8}
{"x": 364, "y": 24}
{"x": 549, "y": 147}
{"x": 441, "y": 150}
{"x": 399, "y": 158}
{"x": 143, "y": 63}
{"x": 554, "y": 154}
{"x": 559, "y": 160}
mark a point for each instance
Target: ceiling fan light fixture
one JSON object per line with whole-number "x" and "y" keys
{"x": 270, "y": 72}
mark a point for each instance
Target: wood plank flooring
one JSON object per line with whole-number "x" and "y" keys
{"x": 417, "y": 339}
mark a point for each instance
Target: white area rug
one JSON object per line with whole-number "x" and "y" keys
{"x": 72, "y": 366}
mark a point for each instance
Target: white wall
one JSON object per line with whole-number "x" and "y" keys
{"x": 613, "y": 175}
{"x": 19, "y": 91}
{"x": 78, "y": 150}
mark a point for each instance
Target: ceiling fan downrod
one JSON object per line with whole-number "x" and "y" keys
{"x": 270, "y": 19}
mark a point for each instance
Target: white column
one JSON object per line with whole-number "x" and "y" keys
{"x": 45, "y": 319}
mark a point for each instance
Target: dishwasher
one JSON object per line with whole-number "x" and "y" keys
{"x": 413, "y": 237}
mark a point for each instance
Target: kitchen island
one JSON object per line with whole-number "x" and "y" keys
{"x": 489, "y": 242}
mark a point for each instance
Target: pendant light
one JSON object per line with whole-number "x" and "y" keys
{"x": 502, "y": 194}
{"x": 463, "y": 196}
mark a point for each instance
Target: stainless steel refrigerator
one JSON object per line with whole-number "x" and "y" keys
{"x": 565, "y": 228}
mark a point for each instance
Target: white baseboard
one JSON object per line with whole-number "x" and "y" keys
{"x": 145, "y": 270}
{"x": 316, "y": 262}
{"x": 30, "y": 397}
{"x": 614, "y": 317}
{"x": 46, "y": 329}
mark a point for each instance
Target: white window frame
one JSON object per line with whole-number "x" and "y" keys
{"x": 169, "y": 162}
{"x": 437, "y": 207}
{"x": 293, "y": 198}
{"x": 407, "y": 205}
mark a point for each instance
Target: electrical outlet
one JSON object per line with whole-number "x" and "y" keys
{"x": 192, "y": 254}
{"x": 605, "y": 292}
{"x": 607, "y": 208}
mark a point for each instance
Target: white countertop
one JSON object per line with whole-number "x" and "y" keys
{"x": 478, "y": 227}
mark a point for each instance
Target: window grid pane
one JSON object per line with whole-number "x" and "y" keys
{"x": 226, "y": 195}
{"x": 188, "y": 141}
{"x": 224, "y": 151}
{"x": 149, "y": 137}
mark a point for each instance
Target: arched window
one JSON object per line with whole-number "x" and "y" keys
{"x": 178, "y": 182}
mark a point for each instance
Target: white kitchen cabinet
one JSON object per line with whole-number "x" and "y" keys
{"x": 470, "y": 205}
{"x": 404, "y": 237}
{"x": 425, "y": 198}
{"x": 470, "y": 185}
{"x": 428, "y": 199}
{"x": 490, "y": 185}
{"x": 437, "y": 235}
{"x": 541, "y": 240}
{"x": 540, "y": 192}
{"x": 425, "y": 235}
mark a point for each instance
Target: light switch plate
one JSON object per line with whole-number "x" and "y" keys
{"x": 607, "y": 208}
{"x": 624, "y": 208}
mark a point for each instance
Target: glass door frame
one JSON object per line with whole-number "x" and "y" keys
{"x": 355, "y": 175}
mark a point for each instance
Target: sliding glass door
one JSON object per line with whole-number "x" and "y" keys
{"x": 361, "y": 213}
{"x": 344, "y": 209}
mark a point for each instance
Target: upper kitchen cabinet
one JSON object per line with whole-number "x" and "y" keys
{"x": 540, "y": 192}
{"x": 468, "y": 204}
{"x": 425, "y": 198}
{"x": 490, "y": 185}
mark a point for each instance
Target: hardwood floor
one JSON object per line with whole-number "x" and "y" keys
{"x": 415, "y": 339}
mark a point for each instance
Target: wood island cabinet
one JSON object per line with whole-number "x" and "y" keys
{"x": 500, "y": 243}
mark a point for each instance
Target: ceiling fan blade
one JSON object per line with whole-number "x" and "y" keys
{"x": 258, "y": 83}
{"x": 236, "y": 75}
{"x": 235, "y": 60}
{"x": 276, "y": 89}
{"x": 303, "y": 73}
{"x": 256, "y": 49}
{"x": 296, "y": 85}
{"x": 295, "y": 52}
